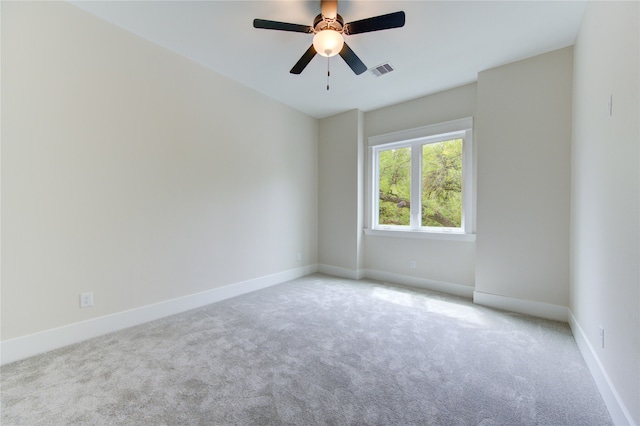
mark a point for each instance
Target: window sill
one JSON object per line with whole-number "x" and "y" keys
{"x": 427, "y": 235}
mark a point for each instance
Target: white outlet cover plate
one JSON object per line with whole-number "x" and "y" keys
{"x": 86, "y": 300}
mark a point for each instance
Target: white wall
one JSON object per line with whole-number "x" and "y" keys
{"x": 605, "y": 277}
{"x": 136, "y": 174}
{"x": 340, "y": 194}
{"x": 523, "y": 137}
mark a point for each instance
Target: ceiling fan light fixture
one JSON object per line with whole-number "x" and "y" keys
{"x": 328, "y": 42}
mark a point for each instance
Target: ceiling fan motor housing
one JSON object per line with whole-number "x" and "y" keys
{"x": 321, "y": 23}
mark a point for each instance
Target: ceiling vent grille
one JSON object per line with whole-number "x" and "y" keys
{"x": 381, "y": 70}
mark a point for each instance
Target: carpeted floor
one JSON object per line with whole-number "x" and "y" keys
{"x": 315, "y": 351}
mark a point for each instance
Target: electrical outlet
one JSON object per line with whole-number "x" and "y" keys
{"x": 86, "y": 300}
{"x": 412, "y": 264}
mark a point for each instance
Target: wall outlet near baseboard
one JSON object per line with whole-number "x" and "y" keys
{"x": 86, "y": 300}
{"x": 412, "y": 264}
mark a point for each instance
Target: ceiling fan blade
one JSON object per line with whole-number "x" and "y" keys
{"x": 352, "y": 60}
{"x": 304, "y": 61}
{"x": 329, "y": 8}
{"x": 281, "y": 26}
{"x": 377, "y": 23}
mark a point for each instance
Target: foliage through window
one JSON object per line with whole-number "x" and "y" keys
{"x": 395, "y": 186}
{"x": 442, "y": 184}
{"x": 421, "y": 185}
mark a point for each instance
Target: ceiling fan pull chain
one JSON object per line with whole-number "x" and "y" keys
{"x": 328, "y": 71}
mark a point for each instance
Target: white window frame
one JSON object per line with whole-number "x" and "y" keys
{"x": 416, "y": 138}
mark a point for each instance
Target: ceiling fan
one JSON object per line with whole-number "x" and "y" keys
{"x": 328, "y": 29}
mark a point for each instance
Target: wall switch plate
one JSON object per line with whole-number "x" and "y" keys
{"x": 86, "y": 300}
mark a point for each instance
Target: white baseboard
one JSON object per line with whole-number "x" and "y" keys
{"x": 337, "y": 271}
{"x": 521, "y": 306}
{"x": 619, "y": 413}
{"x": 44, "y": 341}
{"x": 441, "y": 286}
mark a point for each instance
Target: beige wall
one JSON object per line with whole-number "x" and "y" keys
{"x": 605, "y": 277}
{"x": 523, "y": 136}
{"x": 137, "y": 174}
{"x": 444, "y": 261}
{"x": 340, "y": 193}
{"x": 448, "y": 105}
{"x": 343, "y": 250}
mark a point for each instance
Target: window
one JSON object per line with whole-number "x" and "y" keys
{"x": 421, "y": 180}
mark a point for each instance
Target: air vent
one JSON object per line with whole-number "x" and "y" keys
{"x": 380, "y": 70}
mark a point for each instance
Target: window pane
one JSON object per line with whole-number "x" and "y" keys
{"x": 394, "y": 186}
{"x": 442, "y": 184}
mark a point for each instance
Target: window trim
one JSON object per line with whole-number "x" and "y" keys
{"x": 416, "y": 138}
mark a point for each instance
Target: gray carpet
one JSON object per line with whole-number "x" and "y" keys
{"x": 315, "y": 351}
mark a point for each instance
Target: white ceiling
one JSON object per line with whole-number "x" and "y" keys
{"x": 444, "y": 44}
